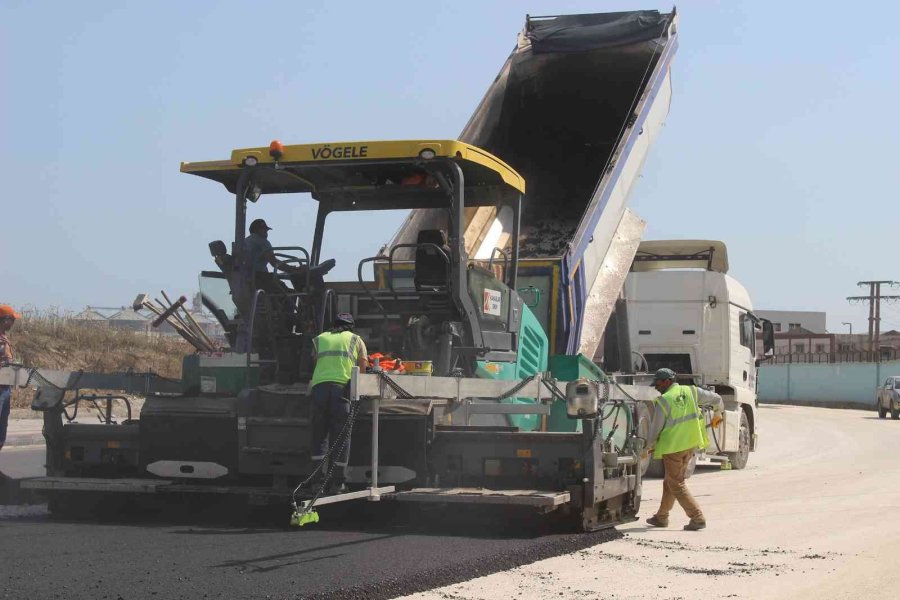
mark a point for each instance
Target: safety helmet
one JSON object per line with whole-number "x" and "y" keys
{"x": 6, "y": 311}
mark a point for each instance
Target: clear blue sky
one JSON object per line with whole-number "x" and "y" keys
{"x": 782, "y": 138}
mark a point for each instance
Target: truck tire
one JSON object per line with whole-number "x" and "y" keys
{"x": 882, "y": 411}
{"x": 739, "y": 459}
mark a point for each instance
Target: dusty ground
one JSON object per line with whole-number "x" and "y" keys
{"x": 813, "y": 516}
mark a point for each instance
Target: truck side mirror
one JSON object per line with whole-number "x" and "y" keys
{"x": 768, "y": 335}
{"x": 530, "y": 295}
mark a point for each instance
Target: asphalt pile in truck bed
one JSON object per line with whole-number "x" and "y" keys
{"x": 546, "y": 238}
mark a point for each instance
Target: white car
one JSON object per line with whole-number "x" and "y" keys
{"x": 887, "y": 398}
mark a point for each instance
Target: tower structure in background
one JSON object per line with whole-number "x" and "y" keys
{"x": 874, "y": 298}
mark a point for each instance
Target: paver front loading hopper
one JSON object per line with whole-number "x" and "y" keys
{"x": 574, "y": 110}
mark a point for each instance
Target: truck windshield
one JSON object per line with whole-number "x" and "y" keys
{"x": 897, "y": 384}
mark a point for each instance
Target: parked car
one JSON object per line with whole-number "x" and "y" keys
{"x": 887, "y": 398}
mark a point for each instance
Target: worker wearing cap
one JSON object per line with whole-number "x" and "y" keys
{"x": 258, "y": 252}
{"x": 7, "y": 319}
{"x": 677, "y": 430}
{"x": 336, "y": 352}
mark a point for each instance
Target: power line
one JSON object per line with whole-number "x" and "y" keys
{"x": 874, "y": 298}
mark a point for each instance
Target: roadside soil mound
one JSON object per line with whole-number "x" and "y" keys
{"x": 52, "y": 342}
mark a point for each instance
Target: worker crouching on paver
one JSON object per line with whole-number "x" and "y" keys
{"x": 337, "y": 352}
{"x": 678, "y": 429}
{"x": 7, "y": 319}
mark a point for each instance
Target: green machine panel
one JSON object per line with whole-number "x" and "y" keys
{"x": 218, "y": 373}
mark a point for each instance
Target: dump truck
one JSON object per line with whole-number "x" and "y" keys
{"x": 683, "y": 311}
{"x": 507, "y": 310}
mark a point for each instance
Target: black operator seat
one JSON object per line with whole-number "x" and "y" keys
{"x": 220, "y": 255}
{"x": 432, "y": 268}
{"x": 316, "y": 275}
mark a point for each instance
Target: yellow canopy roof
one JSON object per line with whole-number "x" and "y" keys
{"x": 347, "y": 165}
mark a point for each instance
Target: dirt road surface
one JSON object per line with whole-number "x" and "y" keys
{"x": 814, "y": 515}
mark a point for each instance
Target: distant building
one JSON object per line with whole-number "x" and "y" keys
{"x": 794, "y": 321}
{"x": 91, "y": 316}
{"x": 130, "y": 320}
{"x": 800, "y": 346}
{"x": 800, "y": 341}
{"x": 888, "y": 343}
{"x": 125, "y": 318}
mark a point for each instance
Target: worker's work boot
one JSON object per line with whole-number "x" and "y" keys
{"x": 695, "y": 525}
{"x": 657, "y": 522}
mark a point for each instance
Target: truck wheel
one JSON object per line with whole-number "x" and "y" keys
{"x": 895, "y": 411}
{"x": 739, "y": 459}
{"x": 882, "y": 411}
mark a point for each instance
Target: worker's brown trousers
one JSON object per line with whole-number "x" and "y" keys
{"x": 674, "y": 487}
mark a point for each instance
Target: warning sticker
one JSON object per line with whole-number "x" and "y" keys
{"x": 207, "y": 384}
{"x": 492, "y": 301}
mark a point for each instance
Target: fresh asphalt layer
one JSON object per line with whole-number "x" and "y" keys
{"x": 361, "y": 551}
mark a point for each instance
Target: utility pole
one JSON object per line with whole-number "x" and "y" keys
{"x": 874, "y": 298}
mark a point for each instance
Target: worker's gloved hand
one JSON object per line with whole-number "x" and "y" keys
{"x": 716, "y": 420}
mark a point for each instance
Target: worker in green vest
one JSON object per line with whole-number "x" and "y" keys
{"x": 336, "y": 352}
{"x": 677, "y": 430}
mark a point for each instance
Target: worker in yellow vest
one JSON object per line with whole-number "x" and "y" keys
{"x": 336, "y": 352}
{"x": 677, "y": 430}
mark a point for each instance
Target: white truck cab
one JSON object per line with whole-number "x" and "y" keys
{"x": 686, "y": 313}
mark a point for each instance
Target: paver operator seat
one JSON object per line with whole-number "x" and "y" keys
{"x": 432, "y": 260}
